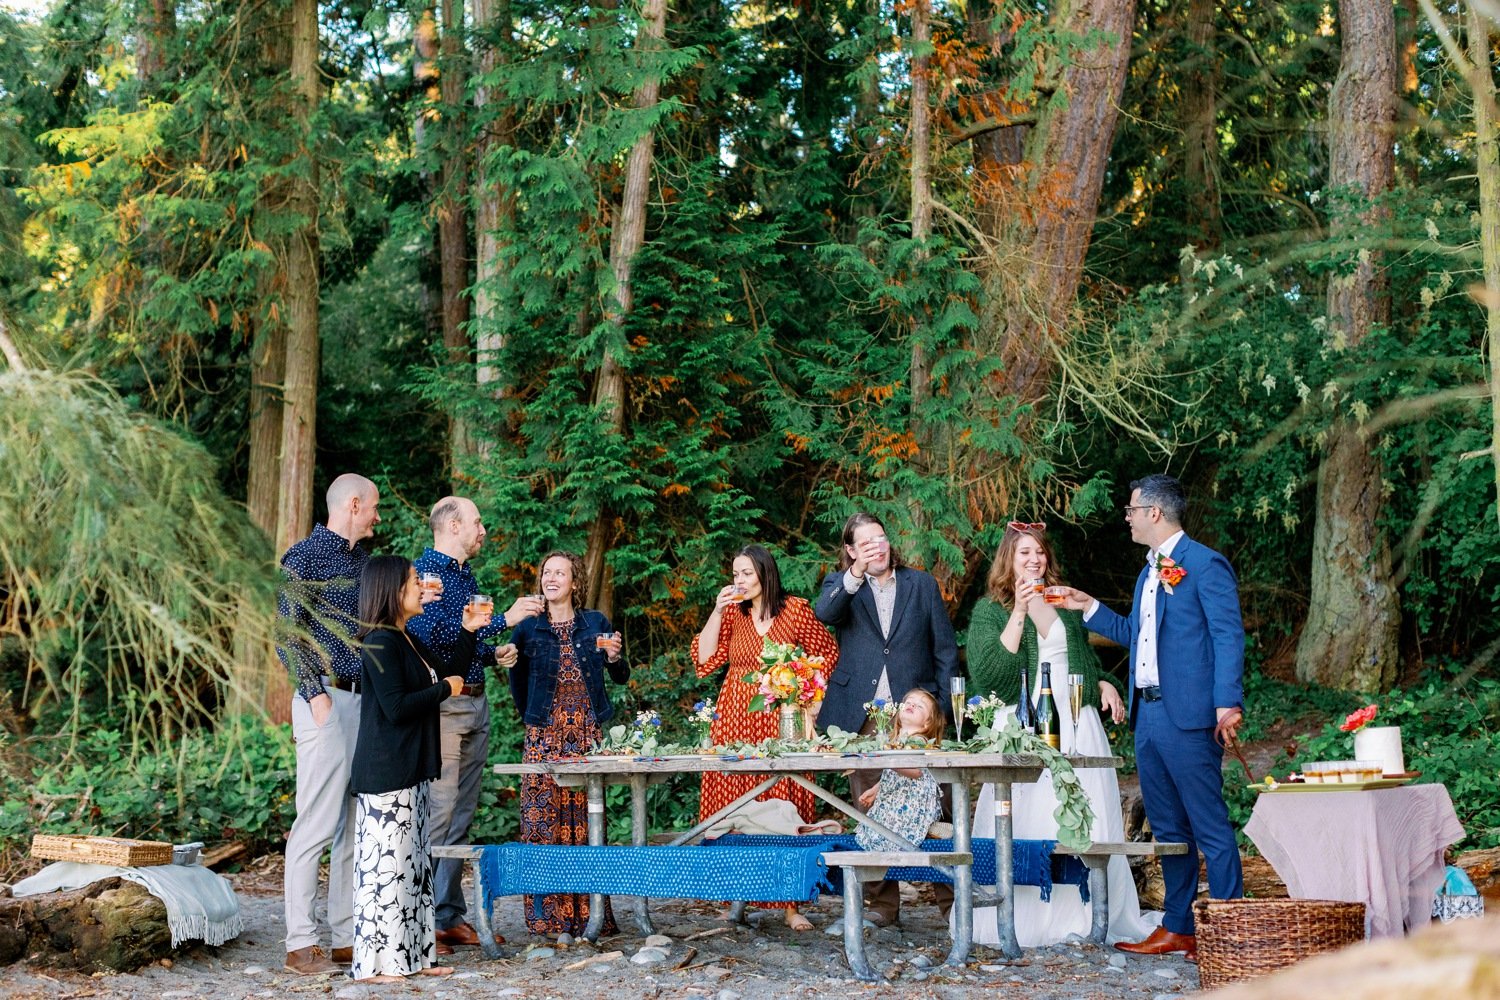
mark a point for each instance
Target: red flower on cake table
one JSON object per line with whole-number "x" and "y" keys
{"x": 1169, "y": 572}
{"x": 1359, "y": 719}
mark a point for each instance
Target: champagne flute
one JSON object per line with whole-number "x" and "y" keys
{"x": 1075, "y": 701}
{"x": 956, "y": 699}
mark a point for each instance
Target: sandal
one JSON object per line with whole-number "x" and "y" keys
{"x": 798, "y": 922}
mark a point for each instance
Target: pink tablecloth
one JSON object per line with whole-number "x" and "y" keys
{"x": 1383, "y": 848}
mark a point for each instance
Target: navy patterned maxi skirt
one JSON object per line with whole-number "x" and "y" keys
{"x": 393, "y": 921}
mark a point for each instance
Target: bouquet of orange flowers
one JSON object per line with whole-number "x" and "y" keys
{"x": 790, "y": 677}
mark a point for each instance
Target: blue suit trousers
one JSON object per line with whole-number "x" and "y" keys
{"x": 1182, "y": 781}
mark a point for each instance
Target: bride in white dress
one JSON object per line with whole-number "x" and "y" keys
{"x": 1011, "y": 626}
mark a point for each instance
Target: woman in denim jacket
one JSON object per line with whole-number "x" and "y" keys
{"x": 558, "y": 685}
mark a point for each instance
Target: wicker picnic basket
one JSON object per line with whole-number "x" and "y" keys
{"x": 1245, "y": 938}
{"x": 100, "y": 850}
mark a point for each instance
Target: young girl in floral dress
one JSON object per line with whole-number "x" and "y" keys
{"x": 908, "y": 799}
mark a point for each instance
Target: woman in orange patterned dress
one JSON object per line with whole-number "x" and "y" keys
{"x": 749, "y": 612}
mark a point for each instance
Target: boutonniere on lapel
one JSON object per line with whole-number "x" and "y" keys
{"x": 1169, "y": 572}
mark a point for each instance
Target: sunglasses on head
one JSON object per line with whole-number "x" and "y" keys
{"x": 1026, "y": 526}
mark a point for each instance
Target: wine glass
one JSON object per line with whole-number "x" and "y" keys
{"x": 1075, "y": 701}
{"x": 956, "y": 699}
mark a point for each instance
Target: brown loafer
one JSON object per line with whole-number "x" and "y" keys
{"x": 460, "y": 936}
{"x": 444, "y": 949}
{"x": 1161, "y": 942}
{"x": 310, "y": 962}
{"x": 343, "y": 956}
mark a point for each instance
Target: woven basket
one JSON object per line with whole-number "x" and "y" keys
{"x": 1245, "y": 938}
{"x": 100, "y": 850}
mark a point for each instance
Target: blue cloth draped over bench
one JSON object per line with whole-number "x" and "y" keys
{"x": 784, "y": 873}
{"x": 1032, "y": 861}
{"x": 755, "y": 868}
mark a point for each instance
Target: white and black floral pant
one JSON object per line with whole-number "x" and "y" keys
{"x": 393, "y": 929}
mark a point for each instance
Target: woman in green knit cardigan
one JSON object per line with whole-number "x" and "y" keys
{"x": 1005, "y": 632}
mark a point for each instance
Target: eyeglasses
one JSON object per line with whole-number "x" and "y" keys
{"x": 1130, "y": 511}
{"x": 1026, "y": 526}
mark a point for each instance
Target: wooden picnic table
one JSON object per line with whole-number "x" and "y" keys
{"x": 956, "y": 769}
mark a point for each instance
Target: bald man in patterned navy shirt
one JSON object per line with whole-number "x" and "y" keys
{"x": 321, "y": 602}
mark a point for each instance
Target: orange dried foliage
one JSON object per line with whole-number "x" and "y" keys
{"x": 676, "y": 490}
{"x": 798, "y": 442}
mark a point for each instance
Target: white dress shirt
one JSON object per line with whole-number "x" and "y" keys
{"x": 1147, "y": 673}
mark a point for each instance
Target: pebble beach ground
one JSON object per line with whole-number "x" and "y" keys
{"x": 694, "y": 955}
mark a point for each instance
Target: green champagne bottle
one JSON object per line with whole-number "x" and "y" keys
{"x": 1047, "y": 724}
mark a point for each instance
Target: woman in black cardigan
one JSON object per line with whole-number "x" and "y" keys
{"x": 396, "y": 758}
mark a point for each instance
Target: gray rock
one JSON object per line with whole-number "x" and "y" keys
{"x": 1117, "y": 961}
{"x": 253, "y": 970}
{"x": 1165, "y": 973}
{"x": 714, "y": 973}
{"x": 658, "y": 941}
{"x": 537, "y": 954}
{"x": 992, "y": 968}
{"x": 649, "y": 956}
{"x": 836, "y": 928}
{"x": 511, "y": 992}
{"x": 564, "y": 940}
{"x": 920, "y": 977}
{"x": 351, "y": 992}
{"x": 921, "y": 962}
{"x": 728, "y": 995}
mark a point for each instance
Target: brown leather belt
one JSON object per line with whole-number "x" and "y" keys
{"x": 472, "y": 690}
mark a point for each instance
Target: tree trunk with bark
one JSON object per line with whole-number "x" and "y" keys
{"x": 494, "y": 207}
{"x": 1487, "y": 156}
{"x": 1043, "y": 208}
{"x": 921, "y": 187}
{"x": 627, "y": 234}
{"x": 1350, "y": 638}
{"x": 453, "y": 217}
{"x": 300, "y": 294}
{"x": 1200, "y": 137}
{"x": 157, "y": 21}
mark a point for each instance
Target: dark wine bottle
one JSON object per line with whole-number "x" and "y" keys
{"x": 1048, "y": 726}
{"x": 1025, "y": 714}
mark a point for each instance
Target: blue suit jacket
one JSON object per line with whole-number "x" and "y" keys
{"x": 1200, "y": 648}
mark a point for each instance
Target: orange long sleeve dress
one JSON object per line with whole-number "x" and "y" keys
{"x": 740, "y": 646}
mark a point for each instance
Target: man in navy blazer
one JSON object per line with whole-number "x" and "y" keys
{"x": 894, "y": 635}
{"x": 1187, "y": 654}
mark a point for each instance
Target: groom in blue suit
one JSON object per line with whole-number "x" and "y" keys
{"x": 1187, "y": 653}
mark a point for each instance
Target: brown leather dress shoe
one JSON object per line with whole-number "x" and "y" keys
{"x": 343, "y": 956}
{"x": 444, "y": 949}
{"x": 460, "y": 936}
{"x": 463, "y": 936}
{"x": 1161, "y": 942}
{"x": 310, "y": 962}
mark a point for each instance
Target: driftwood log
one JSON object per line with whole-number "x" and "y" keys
{"x": 107, "y": 926}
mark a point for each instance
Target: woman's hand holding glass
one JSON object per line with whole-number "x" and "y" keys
{"x": 611, "y": 644}
{"x": 730, "y": 595}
